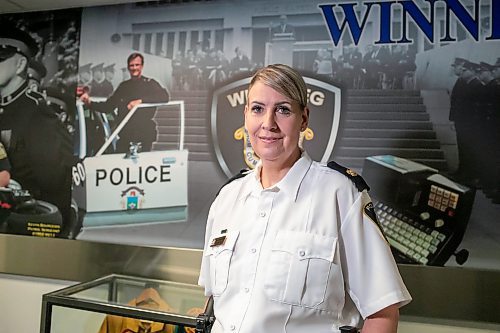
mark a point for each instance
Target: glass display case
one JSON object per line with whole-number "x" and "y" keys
{"x": 126, "y": 304}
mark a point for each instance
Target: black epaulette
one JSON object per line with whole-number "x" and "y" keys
{"x": 241, "y": 174}
{"x": 41, "y": 102}
{"x": 360, "y": 183}
{"x": 36, "y": 96}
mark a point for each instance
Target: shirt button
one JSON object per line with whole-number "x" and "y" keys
{"x": 253, "y": 250}
{"x": 247, "y": 290}
{"x": 262, "y": 214}
{"x": 302, "y": 253}
{"x": 232, "y": 327}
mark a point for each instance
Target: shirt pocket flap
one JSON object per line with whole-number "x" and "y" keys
{"x": 222, "y": 242}
{"x": 306, "y": 245}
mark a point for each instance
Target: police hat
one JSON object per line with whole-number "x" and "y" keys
{"x": 98, "y": 67}
{"x": 110, "y": 68}
{"x": 36, "y": 70}
{"x": 471, "y": 66}
{"x": 485, "y": 66}
{"x": 85, "y": 68}
{"x": 14, "y": 40}
{"x": 458, "y": 62}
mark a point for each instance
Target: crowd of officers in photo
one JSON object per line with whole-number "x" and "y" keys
{"x": 202, "y": 68}
{"x": 380, "y": 67}
{"x": 475, "y": 112}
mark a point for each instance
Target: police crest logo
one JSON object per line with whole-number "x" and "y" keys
{"x": 132, "y": 198}
{"x": 230, "y": 140}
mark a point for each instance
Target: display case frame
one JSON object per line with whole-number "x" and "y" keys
{"x": 68, "y": 298}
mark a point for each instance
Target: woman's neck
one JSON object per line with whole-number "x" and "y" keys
{"x": 274, "y": 171}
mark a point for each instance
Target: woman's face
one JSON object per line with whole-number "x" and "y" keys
{"x": 274, "y": 122}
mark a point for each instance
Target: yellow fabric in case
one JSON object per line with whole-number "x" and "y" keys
{"x": 149, "y": 299}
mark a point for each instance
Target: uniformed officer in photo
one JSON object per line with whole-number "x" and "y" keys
{"x": 134, "y": 91}
{"x": 99, "y": 86}
{"x": 109, "y": 76}
{"x": 464, "y": 113}
{"x": 491, "y": 187}
{"x": 38, "y": 147}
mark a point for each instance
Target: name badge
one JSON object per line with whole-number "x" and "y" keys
{"x": 218, "y": 241}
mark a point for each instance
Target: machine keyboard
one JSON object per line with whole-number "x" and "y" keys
{"x": 414, "y": 240}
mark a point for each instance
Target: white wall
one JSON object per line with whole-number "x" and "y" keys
{"x": 21, "y": 302}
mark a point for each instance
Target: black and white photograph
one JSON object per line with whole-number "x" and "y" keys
{"x": 39, "y": 76}
{"x": 396, "y": 104}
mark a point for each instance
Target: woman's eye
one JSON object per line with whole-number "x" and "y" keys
{"x": 256, "y": 109}
{"x": 283, "y": 110}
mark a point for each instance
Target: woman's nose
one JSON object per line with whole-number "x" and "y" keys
{"x": 269, "y": 121}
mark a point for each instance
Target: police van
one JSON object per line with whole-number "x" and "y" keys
{"x": 134, "y": 187}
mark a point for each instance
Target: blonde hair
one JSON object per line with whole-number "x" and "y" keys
{"x": 285, "y": 80}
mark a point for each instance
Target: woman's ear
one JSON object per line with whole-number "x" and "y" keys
{"x": 305, "y": 119}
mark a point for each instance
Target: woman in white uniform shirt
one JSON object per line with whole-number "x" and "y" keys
{"x": 293, "y": 246}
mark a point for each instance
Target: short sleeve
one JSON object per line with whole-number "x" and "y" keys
{"x": 371, "y": 275}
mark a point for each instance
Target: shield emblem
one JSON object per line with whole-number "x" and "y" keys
{"x": 230, "y": 141}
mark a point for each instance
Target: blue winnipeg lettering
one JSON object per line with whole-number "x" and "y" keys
{"x": 494, "y": 24}
{"x": 351, "y": 18}
{"x": 425, "y": 25}
{"x": 385, "y": 23}
{"x": 468, "y": 22}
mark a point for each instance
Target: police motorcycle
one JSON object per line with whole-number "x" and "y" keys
{"x": 112, "y": 188}
{"x": 22, "y": 214}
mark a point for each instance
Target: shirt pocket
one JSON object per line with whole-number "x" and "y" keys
{"x": 301, "y": 268}
{"x": 220, "y": 258}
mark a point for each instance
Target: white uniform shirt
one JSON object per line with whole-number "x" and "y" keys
{"x": 301, "y": 256}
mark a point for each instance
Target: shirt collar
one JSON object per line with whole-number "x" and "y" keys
{"x": 5, "y": 100}
{"x": 289, "y": 185}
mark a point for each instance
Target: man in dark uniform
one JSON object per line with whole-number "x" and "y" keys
{"x": 240, "y": 63}
{"x": 85, "y": 78}
{"x": 138, "y": 89}
{"x": 99, "y": 87}
{"x": 283, "y": 27}
{"x": 38, "y": 146}
{"x": 464, "y": 112}
{"x": 487, "y": 134}
{"x": 109, "y": 75}
{"x": 492, "y": 128}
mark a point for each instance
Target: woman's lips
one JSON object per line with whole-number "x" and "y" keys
{"x": 269, "y": 139}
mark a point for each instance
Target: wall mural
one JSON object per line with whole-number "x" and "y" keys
{"x": 403, "y": 93}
